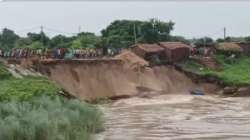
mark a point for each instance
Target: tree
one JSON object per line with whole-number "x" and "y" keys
{"x": 247, "y": 39}
{"x": 36, "y": 45}
{"x": 22, "y": 42}
{"x": 41, "y": 37}
{"x": 86, "y": 40}
{"x": 123, "y": 33}
{"x": 155, "y": 30}
{"x": 76, "y": 44}
{"x": 228, "y": 39}
{"x": 61, "y": 41}
{"x": 120, "y": 33}
{"x": 179, "y": 39}
{"x": 234, "y": 39}
{"x": 8, "y": 39}
{"x": 219, "y": 40}
{"x": 203, "y": 41}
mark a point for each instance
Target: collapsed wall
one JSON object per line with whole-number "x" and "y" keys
{"x": 90, "y": 79}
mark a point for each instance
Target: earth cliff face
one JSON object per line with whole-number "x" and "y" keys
{"x": 90, "y": 79}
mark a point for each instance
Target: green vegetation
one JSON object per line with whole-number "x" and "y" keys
{"x": 26, "y": 88}
{"x": 200, "y": 42}
{"x": 21, "y": 89}
{"x": 193, "y": 66}
{"x": 7, "y": 39}
{"x": 119, "y": 34}
{"x": 85, "y": 40}
{"x": 30, "y": 109}
{"x": 234, "y": 71}
{"x": 48, "y": 119}
{"x": 234, "y": 39}
{"x": 4, "y": 74}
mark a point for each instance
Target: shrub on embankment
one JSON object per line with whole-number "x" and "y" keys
{"x": 30, "y": 109}
{"x": 48, "y": 119}
{"x": 26, "y": 88}
{"x": 4, "y": 73}
{"x": 233, "y": 72}
{"x": 21, "y": 89}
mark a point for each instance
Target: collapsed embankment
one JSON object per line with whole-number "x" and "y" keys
{"x": 91, "y": 79}
{"x": 231, "y": 74}
{"x": 32, "y": 103}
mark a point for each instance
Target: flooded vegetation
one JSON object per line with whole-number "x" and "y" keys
{"x": 178, "y": 117}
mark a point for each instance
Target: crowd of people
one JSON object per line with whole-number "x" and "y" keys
{"x": 57, "y": 53}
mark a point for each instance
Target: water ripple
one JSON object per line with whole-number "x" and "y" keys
{"x": 178, "y": 117}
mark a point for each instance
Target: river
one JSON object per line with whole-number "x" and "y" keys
{"x": 177, "y": 117}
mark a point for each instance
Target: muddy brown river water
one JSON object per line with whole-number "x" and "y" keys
{"x": 178, "y": 117}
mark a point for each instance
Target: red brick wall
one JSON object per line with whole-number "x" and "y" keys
{"x": 177, "y": 54}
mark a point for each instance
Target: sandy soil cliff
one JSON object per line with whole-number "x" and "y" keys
{"x": 89, "y": 79}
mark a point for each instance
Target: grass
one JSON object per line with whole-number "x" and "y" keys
{"x": 30, "y": 109}
{"x": 193, "y": 66}
{"x": 45, "y": 118}
{"x": 235, "y": 71}
{"x": 4, "y": 74}
{"x": 26, "y": 88}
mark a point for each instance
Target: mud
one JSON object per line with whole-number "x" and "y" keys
{"x": 177, "y": 117}
{"x": 91, "y": 79}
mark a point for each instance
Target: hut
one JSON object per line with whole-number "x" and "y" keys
{"x": 229, "y": 48}
{"x": 148, "y": 51}
{"x": 245, "y": 47}
{"x": 175, "y": 51}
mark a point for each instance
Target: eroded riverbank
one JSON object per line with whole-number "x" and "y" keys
{"x": 178, "y": 117}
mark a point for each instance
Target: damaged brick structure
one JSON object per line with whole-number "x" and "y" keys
{"x": 175, "y": 51}
{"x": 149, "y": 52}
{"x": 165, "y": 51}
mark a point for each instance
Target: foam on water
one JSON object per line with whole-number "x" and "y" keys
{"x": 162, "y": 99}
{"x": 178, "y": 117}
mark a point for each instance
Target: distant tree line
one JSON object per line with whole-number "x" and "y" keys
{"x": 119, "y": 34}
{"x": 206, "y": 41}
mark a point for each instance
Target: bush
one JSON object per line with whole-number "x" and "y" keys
{"x": 226, "y": 60}
{"x": 45, "y": 118}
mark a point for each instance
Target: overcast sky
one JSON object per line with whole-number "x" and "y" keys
{"x": 193, "y": 19}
